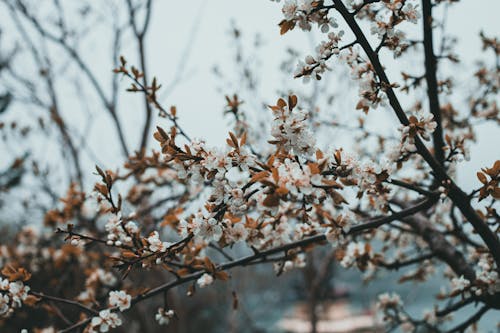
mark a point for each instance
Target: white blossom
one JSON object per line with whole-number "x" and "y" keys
{"x": 387, "y": 300}
{"x": 289, "y": 9}
{"x": 205, "y": 280}
{"x": 459, "y": 284}
{"x": 155, "y": 244}
{"x": 120, "y": 299}
{"x": 105, "y": 321}
{"x": 163, "y": 316}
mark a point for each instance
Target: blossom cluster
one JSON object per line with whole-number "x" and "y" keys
{"x": 421, "y": 123}
{"x": 487, "y": 279}
{"x": 155, "y": 244}
{"x": 233, "y": 175}
{"x": 96, "y": 280}
{"x": 106, "y": 320}
{"x": 305, "y": 13}
{"x": 163, "y": 317}
{"x": 387, "y": 301}
{"x": 290, "y": 130}
{"x": 12, "y": 296}
{"x": 315, "y": 66}
{"x": 391, "y": 306}
{"x": 389, "y": 14}
{"x": 356, "y": 253}
{"x": 120, "y": 299}
{"x": 370, "y": 92}
{"x": 119, "y": 232}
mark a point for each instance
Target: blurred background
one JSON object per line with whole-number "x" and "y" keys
{"x": 58, "y": 95}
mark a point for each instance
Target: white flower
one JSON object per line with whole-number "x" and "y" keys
{"x": 163, "y": 316}
{"x": 117, "y": 236}
{"x": 290, "y": 130}
{"x": 120, "y": 299}
{"x": 18, "y": 292}
{"x": 411, "y": 13}
{"x": 4, "y": 305}
{"x": 4, "y": 284}
{"x": 237, "y": 204}
{"x": 387, "y": 300}
{"x": 488, "y": 275}
{"x": 105, "y": 321}
{"x": 306, "y": 5}
{"x": 430, "y": 317}
{"x": 289, "y": 9}
{"x": 155, "y": 244}
{"x": 131, "y": 227}
{"x": 421, "y": 123}
{"x": 106, "y": 278}
{"x": 355, "y": 250}
{"x": 333, "y": 235}
{"x": 209, "y": 230}
{"x": 459, "y": 284}
{"x": 47, "y": 330}
{"x": 238, "y": 232}
{"x": 299, "y": 261}
{"x": 408, "y": 327}
{"x": 205, "y": 280}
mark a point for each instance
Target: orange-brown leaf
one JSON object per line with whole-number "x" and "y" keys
{"x": 31, "y": 300}
{"x": 271, "y": 200}
{"x": 221, "y": 275}
{"x": 281, "y": 103}
{"x": 482, "y": 178}
{"x": 258, "y": 176}
{"x": 234, "y": 139}
{"x": 292, "y": 101}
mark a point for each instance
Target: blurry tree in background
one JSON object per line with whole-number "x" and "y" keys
{"x": 146, "y": 244}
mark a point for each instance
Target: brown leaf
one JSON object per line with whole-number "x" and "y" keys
{"x": 271, "y": 200}
{"x": 338, "y": 157}
{"x": 286, "y": 26}
{"x": 163, "y": 133}
{"x": 314, "y": 168}
{"x": 281, "y": 103}
{"x": 292, "y": 101}
{"x": 31, "y": 300}
{"x": 209, "y": 265}
{"x": 221, "y": 275}
{"x": 496, "y": 193}
{"x": 235, "y": 300}
{"x": 282, "y": 190}
{"x": 258, "y": 176}
{"x": 129, "y": 254}
{"x": 319, "y": 154}
{"x": 276, "y": 175}
{"x": 13, "y": 274}
{"x": 101, "y": 188}
{"x": 482, "y": 178}
{"x": 234, "y": 139}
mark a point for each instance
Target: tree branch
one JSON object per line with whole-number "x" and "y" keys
{"x": 462, "y": 327}
{"x": 454, "y": 192}
{"x": 430, "y": 77}
{"x": 85, "y": 69}
{"x": 65, "y": 301}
